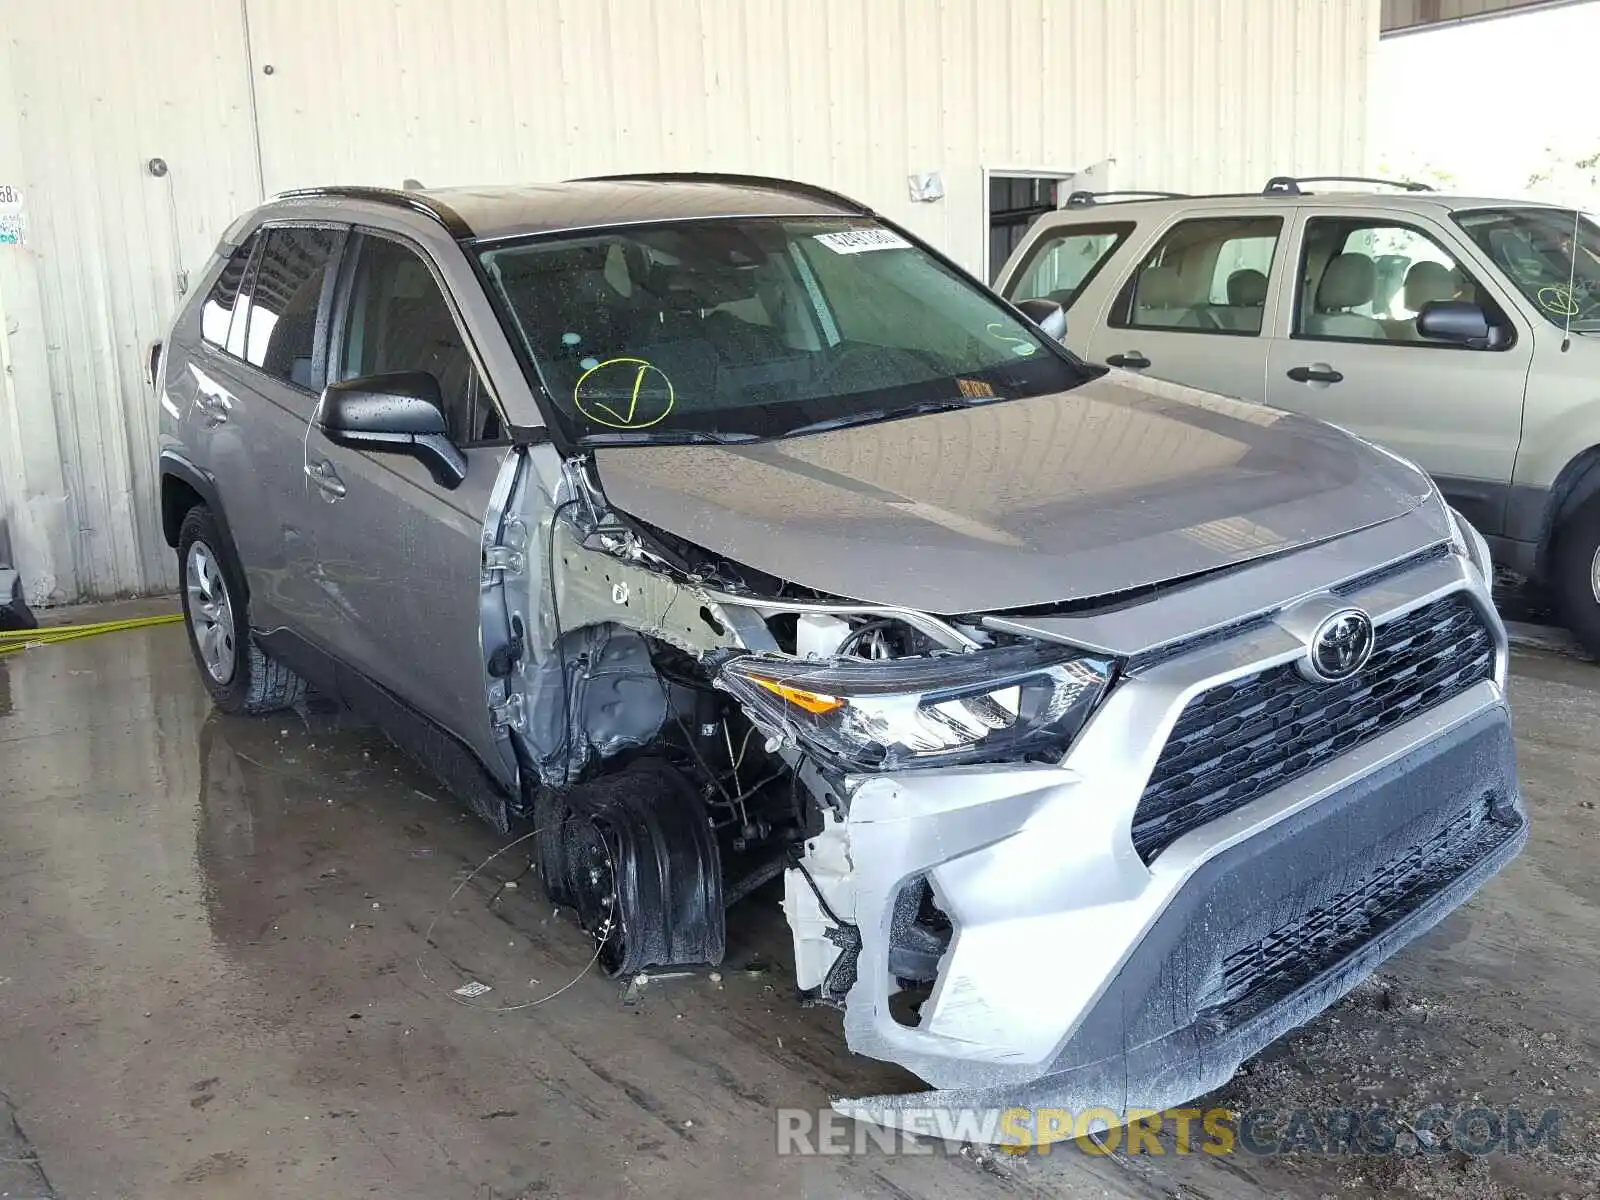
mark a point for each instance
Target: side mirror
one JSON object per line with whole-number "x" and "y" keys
{"x": 1459, "y": 321}
{"x": 1049, "y": 316}
{"x": 397, "y": 413}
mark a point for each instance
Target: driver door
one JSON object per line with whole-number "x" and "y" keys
{"x": 398, "y": 557}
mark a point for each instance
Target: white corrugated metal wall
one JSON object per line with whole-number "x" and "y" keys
{"x": 89, "y": 92}
{"x": 855, "y": 94}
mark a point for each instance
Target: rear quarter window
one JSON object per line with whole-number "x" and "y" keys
{"x": 216, "y": 311}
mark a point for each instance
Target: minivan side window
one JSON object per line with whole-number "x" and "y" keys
{"x": 399, "y": 320}
{"x": 1206, "y": 275}
{"x": 1365, "y": 279}
{"x": 286, "y": 302}
{"x": 217, "y": 311}
{"x": 1063, "y": 263}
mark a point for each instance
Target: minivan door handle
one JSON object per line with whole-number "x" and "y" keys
{"x": 1315, "y": 373}
{"x": 1132, "y": 360}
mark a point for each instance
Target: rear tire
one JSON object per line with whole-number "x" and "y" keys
{"x": 1576, "y": 575}
{"x": 216, "y": 612}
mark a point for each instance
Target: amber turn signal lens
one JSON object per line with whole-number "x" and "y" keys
{"x": 812, "y": 702}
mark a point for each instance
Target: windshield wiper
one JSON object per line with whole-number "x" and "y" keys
{"x": 873, "y": 415}
{"x": 670, "y": 437}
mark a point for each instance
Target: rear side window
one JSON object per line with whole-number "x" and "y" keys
{"x": 286, "y": 302}
{"x": 217, "y": 311}
{"x": 1062, "y": 263}
{"x": 1207, "y": 275}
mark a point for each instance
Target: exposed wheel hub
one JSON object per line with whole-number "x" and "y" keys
{"x": 591, "y": 855}
{"x": 634, "y": 853}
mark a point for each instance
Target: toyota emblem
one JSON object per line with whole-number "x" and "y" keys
{"x": 1339, "y": 647}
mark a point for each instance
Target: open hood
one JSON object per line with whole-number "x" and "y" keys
{"x": 1120, "y": 483}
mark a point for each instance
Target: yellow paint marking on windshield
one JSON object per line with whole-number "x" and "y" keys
{"x": 646, "y": 405}
{"x": 1019, "y": 345}
{"x": 1558, "y": 300}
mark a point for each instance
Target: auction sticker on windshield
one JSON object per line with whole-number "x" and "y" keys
{"x": 855, "y": 241}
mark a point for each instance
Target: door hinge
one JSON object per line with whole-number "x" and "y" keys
{"x": 507, "y": 714}
{"x": 504, "y": 558}
{"x": 507, "y": 555}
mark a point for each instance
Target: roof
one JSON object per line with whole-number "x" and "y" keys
{"x": 516, "y": 209}
{"x": 1409, "y": 201}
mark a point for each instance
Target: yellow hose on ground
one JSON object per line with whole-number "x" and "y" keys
{"x": 24, "y": 639}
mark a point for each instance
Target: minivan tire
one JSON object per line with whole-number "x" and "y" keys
{"x": 216, "y": 613}
{"x": 1576, "y": 578}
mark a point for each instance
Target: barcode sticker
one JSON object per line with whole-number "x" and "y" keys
{"x": 855, "y": 241}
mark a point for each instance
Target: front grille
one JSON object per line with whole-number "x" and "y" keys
{"x": 1263, "y": 973}
{"x": 1241, "y": 739}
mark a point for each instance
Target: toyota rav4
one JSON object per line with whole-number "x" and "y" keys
{"x": 718, "y": 531}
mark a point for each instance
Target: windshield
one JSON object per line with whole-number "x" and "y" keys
{"x": 732, "y": 329}
{"x": 1536, "y": 249}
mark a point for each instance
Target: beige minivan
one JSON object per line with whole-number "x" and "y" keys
{"x": 1462, "y": 333}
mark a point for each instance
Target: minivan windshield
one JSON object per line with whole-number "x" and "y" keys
{"x": 1558, "y": 272}
{"x": 730, "y": 329}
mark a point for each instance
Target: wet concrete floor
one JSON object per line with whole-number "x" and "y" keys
{"x": 216, "y": 980}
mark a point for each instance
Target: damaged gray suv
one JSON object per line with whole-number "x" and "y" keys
{"x": 1099, "y": 729}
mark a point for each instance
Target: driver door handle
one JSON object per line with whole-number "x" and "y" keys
{"x": 1132, "y": 360}
{"x": 214, "y": 407}
{"x": 1315, "y": 373}
{"x": 326, "y": 478}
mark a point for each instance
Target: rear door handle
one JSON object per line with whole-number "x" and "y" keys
{"x": 326, "y": 478}
{"x": 1132, "y": 361}
{"x": 1315, "y": 373}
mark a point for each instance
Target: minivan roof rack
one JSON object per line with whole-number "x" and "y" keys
{"x": 417, "y": 203}
{"x": 1289, "y": 185}
{"x": 767, "y": 182}
{"x": 1084, "y": 199}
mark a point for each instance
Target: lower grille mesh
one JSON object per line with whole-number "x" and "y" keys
{"x": 1242, "y": 739}
{"x": 1263, "y": 973}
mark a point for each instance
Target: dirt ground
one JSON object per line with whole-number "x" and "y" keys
{"x": 216, "y": 980}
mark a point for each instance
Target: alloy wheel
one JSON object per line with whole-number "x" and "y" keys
{"x": 211, "y": 621}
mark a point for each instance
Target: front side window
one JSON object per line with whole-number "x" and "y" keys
{"x": 758, "y": 327}
{"x": 286, "y": 301}
{"x": 216, "y": 313}
{"x": 1551, "y": 256}
{"x": 1363, "y": 279}
{"x": 1206, "y": 275}
{"x": 1061, "y": 263}
{"x": 399, "y": 321}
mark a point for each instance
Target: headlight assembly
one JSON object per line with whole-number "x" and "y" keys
{"x": 1012, "y": 702}
{"x": 1471, "y": 544}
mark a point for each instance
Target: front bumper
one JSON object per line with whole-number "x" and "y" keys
{"x": 1265, "y": 935}
{"x": 1080, "y": 977}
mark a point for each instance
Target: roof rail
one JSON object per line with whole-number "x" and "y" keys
{"x": 1085, "y": 199}
{"x": 1289, "y": 185}
{"x": 768, "y": 182}
{"x": 416, "y": 202}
